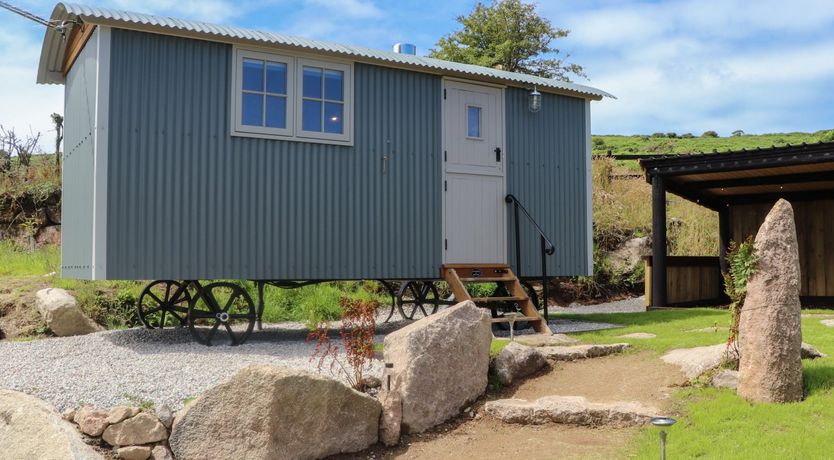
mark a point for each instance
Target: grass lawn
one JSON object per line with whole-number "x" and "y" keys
{"x": 716, "y": 423}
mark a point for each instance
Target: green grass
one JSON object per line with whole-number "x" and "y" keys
{"x": 15, "y": 261}
{"x": 497, "y": 345}
{"x": 716, "y": 423}
{"x": 648, "y": 145}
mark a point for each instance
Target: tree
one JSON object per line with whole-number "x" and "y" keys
{"x": 738, "y": 132}
{"x": 709, "y": 134}
{"x": 58, "y": 121}
{"x": 508, "y": 35}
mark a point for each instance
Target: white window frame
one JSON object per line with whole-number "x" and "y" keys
{"x": 347, "y": 103}
{"x": 237, "y": 98}
{"x": 295, "y": 68}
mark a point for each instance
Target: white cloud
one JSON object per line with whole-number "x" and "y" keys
{"x": 694, "y": 65}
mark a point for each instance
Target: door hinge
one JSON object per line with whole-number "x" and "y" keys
{"x": 445, "y": 186}
{"x": 446, "y": 244}
{"x": 445, "y": 156}
{"x": 444, "y": 93}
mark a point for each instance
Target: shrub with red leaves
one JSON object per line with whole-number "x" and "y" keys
{"x": 357, "y": 332}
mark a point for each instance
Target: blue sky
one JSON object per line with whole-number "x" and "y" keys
{"x": 676, "y": 65}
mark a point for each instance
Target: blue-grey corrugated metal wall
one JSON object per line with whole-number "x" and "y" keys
{"x": 189, "y": 201}
{"x": 547, "y": 172}
{"x": 78, "y": 166}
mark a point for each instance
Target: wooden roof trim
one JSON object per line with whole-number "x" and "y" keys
{"x": 75, "y": 43}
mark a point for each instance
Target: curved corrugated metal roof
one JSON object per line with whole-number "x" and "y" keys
{"x": 52, "y": 53}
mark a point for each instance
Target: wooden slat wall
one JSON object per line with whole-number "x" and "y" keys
{"x": 814, "y": 232}
{"x": 689, "y": 280}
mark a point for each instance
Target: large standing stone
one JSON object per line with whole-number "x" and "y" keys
{"x": 517, "y": 361}
{"x": 770, "y": 328}
{"x": 392, "y": 416}
{"x": 30, "y": 429}
{"x": 269, "y": 412}
{"x": 440, "y": 364}
{"x": 61, "y": 313}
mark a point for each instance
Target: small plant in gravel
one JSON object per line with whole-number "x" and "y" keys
{"x": 357, "y": 332}
{"x": 741, "y": 262}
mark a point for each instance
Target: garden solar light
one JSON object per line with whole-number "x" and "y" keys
{"x": 663, "y": 422}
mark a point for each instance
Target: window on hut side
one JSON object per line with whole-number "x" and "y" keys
{"x": 292, "y": 98}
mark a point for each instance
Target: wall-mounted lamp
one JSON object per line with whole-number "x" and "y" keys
{"x": 535, "y": 100}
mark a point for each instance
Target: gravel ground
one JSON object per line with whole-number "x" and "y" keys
{"x": 632, "y": 305}
{"x": 167, "y": 367}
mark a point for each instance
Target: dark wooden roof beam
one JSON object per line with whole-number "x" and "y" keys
{"x": 780, "y": 179}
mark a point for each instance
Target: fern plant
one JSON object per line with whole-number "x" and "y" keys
{"x": 742, "y": 262}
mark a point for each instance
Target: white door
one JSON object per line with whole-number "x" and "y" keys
{"x": 474, "y": 216}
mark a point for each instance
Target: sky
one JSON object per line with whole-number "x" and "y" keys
{"x": 674, "y": 65}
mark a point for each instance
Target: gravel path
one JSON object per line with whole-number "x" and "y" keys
{"x": 167, "y": 367}
{"x": 632, "y": 305}
{"x": 109, "y": 368}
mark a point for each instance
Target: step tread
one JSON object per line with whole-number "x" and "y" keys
{"x": 500, "y": 299}
{"x": 476, "y": 266}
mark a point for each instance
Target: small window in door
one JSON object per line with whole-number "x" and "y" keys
{"x": 473, "y": 124}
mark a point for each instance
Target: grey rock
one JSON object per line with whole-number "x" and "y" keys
{"x": 268, "y": 412}
{"x": 628, "y": 256}
{"x": 539, "y": 340}
{"x": 119, "y": 413}
{"x": 638, "y": 335}
{"x": 392, "y": 416}
{"x": 770, "y": 326}
{"x": 165, "y": 415}
{"x": 517, "y": 361}
{"x": 440, "y": 364}
{"x": 827, "y": 322}
{"x": 161, "y": 452}
{"x": 575, "y": 352}
{"x": 31, "y": 429}
{"x": 91, "y": 422}
{"x": 61, "y": 313}
{"x": 725, "y": 378}
{"x": 134, "y": 452}
{"x": 808, "y": 351}
{"x": 695, "y": 361}
{"x": 570, "y": 410}
{"x": 143, "y": 428}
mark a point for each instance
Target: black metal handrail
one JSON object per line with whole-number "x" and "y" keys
{"x": 547, "y": 247}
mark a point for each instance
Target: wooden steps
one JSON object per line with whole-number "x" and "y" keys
{"x": 458, "y": 274}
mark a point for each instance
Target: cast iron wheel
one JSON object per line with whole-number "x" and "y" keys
{"x": 224, "y": 307}
{"x": 500, "y": 308}
{"x": 417, "y": 295}
{"x": 389, "y": 287}
{"x": 162, "y": 299}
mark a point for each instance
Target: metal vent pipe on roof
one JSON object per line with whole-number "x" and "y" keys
{"x": 405, "y": 48}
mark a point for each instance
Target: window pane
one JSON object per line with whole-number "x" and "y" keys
{"x": 311, "y": 116}
{"x": 474, "y": 121}
{"x": 253, "y": 75}
{"x": 252, "y": 109}
{"x": 334, "y": 85}
{"x": 312, "y": 82}
{"x": 276, "y": 77}
{"x": 276, "y": 112}
{"x": 333, "y": 117}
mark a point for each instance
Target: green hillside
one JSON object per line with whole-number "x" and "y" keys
{"x": 659, "y": 143}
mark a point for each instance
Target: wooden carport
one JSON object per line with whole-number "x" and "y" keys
{"x": 741, "y": 187}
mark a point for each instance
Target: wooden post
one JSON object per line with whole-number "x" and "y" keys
{"x": 658, "y": 241}
{"x": 723, "y": 236}
{"x": 723, "y": 243}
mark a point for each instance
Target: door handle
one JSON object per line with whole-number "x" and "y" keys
{"x": 498, "y": 154}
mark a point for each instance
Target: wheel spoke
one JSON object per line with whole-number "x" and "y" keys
{"x": 211, "y": 332}
{"x": 162, "y": 319}
{"x": 202, "y": 314}
{"x": 158, "y": 300}
{"x": 232, "y": 335}
{"x": 241, "y": 316}
{"x": 152, "y": 311}
{"x": 231, "y": 301}
{"x": 167, "y": 292}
